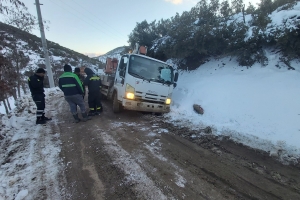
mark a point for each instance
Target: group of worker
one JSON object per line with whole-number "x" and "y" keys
{"x": 73, "y": 86}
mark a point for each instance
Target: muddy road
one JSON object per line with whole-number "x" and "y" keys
{"x": 132, "y": 155}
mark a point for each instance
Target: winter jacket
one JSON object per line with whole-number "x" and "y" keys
{"x": 92, "y": 81}
{"x": 70, "y": 84}
{"x": 81, "y": 78}
{"x": 36, "y": 85}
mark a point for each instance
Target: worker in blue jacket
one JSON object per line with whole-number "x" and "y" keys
{"x": 70, "y": 84}
{"x": 93, "y": 82}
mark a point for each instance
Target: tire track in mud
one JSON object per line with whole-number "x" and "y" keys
{"x": 75, "y": 176}
{"x": 229, "y": 169}
{"x": 147, "y": 147}
{"x": 213, "y": 166}
{"x": 98, "y": 187}
{"x": 88, "y": 164}
{"x": 134, "y": 174}
{"x": 134, "y": 158}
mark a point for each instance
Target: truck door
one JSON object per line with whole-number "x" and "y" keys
{"x": 120, "y": 77}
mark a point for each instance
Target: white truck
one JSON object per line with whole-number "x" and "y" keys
{"x": 138, "y": 82}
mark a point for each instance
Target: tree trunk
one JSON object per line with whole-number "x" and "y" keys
{"x": 19, "y": 89}
{"x": 14, "y": 93}
{"x": 24, "y": 88}
{"x": 244, "y": 14}
{"x": 8, "y": 104}
{"x": 18, "y": 80}
{"x": 6, "y": 109}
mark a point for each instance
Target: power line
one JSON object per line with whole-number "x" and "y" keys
{"x": 76, "y": 15}
{"x": 89, "y": 22}
{"x": 98, "y": 18}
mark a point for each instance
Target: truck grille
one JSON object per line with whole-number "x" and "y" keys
{"x": 151, "y": 98}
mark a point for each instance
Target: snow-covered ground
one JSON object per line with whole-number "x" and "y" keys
{"x": 26, "y": 170}
{"x": 258, "y": 107}
{"x": 11, "y": 103}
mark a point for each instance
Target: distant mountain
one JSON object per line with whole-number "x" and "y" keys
{"x": 115, "y": 53}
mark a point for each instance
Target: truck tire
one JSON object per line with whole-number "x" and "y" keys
{"x": 116, "y": 104}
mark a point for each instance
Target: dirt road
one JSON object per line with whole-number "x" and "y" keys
{"x": 139, "y": 156}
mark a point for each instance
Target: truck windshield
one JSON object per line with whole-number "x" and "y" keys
{"x": 150, "y": 70}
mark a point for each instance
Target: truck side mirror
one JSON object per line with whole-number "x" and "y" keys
{"x": 176, "y": 77}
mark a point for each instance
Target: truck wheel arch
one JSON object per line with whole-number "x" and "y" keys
{"x": 116, "y": 104}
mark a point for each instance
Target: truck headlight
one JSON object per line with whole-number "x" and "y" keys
{"x": 129, "y": 95}
{"x": 168, "y": 101}
{"x": 129, "y": 91}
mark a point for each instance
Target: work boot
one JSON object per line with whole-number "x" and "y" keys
{"x": 91, "y": 113}
{"x": 46, "y": 118}
{"x": 76, "y": 118}
{"x": 85, "y": 117}
{"x": 40, "y": 121}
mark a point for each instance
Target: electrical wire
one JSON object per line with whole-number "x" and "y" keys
{"x": 70, "y": 8}
{"x": 115, "y": 31}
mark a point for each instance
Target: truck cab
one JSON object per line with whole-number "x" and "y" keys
{"x": 140, "y": 83}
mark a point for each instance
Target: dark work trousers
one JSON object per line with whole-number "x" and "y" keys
{"x": 94, "y": 100}
{"x": 74, "y": 101}
{"x": 39, "y": 100}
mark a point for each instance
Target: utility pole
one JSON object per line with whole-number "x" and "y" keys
{"x": 49, "y": 70}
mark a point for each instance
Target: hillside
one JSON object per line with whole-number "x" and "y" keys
{"x": 17, "y": 45}
{"x": 245, "y": 145}
{"x": 115, "y": 53}
{"x": 223, "y": 29}
{"x": 21, "y": 53}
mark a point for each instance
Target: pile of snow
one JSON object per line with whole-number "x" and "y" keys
{"x": 258, "y": 107}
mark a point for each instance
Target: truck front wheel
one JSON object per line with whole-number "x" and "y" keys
{"x": 116, "y": 104}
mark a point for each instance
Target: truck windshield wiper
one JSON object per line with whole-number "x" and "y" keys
{"x": 138, "y": 76}
{"x": 163, "y": 81}
{"x": 160, "y": 81}
{"x": 168, "y": 82}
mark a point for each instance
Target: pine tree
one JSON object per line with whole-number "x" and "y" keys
{"x": 143, "y": 34}
{"x": 225, "y": 10}
{"x": 237, "y": 6}
{"x": 250, "y": 9}
{"x": 266, "y": 6}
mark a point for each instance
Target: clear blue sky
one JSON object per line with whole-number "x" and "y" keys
{"x": 95, "y": 27}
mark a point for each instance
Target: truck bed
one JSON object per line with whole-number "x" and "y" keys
{"x": 107, "y": 83}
